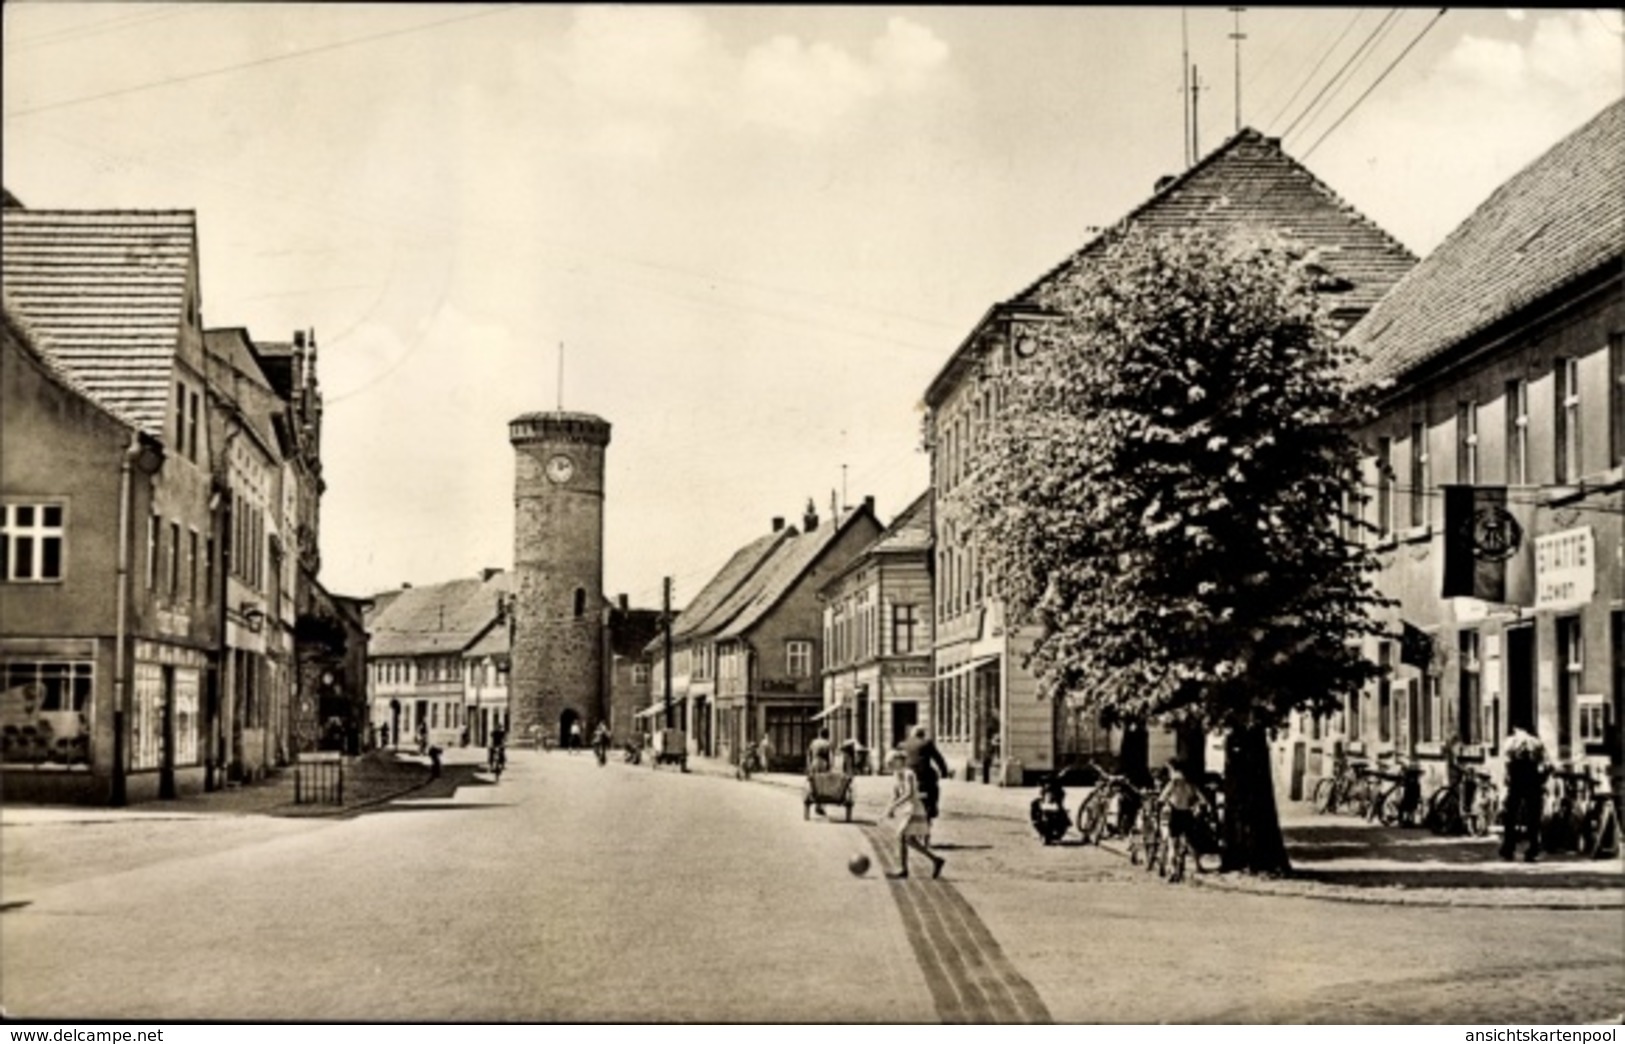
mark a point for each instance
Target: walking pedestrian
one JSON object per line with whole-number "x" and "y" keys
{"x": 925, "y": 761}
{"x": 818, "y": 755}
{"x": 575, "y": 736}
{"x": 423, "y": 736}
{"x": 764, "y": 752}
{"x": 1526, "y": 771}
{"x": 915, "y": 829}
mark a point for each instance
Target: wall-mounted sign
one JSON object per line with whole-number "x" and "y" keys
{"x": 1565, "y": 568}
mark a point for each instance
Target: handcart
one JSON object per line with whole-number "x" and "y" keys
{"x": 827, "y": 788}
{"x": 670, "y": 748}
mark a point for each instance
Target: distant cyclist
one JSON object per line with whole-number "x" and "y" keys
{"x": 600, "y": 742}
{"x": 498, "y": 755}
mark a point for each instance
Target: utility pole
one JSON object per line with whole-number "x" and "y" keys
{"x": 1185, "y": 83}
{"x": 1196, "y": 121}
{"x": 665, "y": 617}
{"x": 1238, "y": 36}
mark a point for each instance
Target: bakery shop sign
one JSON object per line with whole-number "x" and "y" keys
{"x": 1565, "y": 568}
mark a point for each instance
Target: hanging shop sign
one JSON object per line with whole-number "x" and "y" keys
{"x": 1565, "y": 568}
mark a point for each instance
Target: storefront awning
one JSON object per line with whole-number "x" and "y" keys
{"x": 655, "y": 710}
{"x": 827, "y": 711}
{"x": 975, "y": 663}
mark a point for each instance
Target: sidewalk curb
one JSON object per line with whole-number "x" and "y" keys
{"x": 1502, "y": 898}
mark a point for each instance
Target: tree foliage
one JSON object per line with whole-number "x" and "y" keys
{"x": 1163, "y": 489}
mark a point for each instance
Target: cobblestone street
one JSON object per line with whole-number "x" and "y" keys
{"x": 1015, "y": 931}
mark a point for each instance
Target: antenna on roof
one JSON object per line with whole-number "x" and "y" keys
{"x": 1185, "y": 84}
{"x": 1238, "y": 36}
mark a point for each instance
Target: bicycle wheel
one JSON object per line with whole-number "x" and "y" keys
{"x": 1090, "y": 813}
{"x": 1486, "y": 812}
{"x": 1321, "y": 797}
{"x": 1386, "y": 811}
{"x": 1444, "y": 812}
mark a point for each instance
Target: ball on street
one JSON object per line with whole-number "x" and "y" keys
{"x": 858, "y": 864}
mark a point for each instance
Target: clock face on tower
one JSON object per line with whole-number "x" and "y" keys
{"x": 560, "y": 468}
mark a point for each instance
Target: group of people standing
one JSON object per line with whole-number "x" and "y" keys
{"x": 917, "y": 768}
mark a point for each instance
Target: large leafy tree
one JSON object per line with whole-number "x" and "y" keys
{"x": 1163, "y": 494}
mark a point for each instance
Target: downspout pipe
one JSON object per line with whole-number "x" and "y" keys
{"x": 121, "y": 596}
{"x": 139, "y": 452}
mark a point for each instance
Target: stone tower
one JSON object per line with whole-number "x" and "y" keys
{"x": 557, "y": 657}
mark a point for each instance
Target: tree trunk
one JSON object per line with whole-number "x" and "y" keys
{"x": 1252, "y": 826}
{"x": 1134, "y": 755}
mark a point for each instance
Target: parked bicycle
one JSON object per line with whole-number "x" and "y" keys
{"x": 1398, "y": 802}
{"x": 1347, "y": 789}
{"x": 1109, "y": 810}
{"x": 1145, "y": 846}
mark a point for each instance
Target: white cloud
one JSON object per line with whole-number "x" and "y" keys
{"x": 1419, "y": 161}
{"x": 638, "y": 73}
{"x": 909, "y": 53}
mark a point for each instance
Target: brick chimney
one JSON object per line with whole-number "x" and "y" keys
{"x": 488, "y": 572}
{"x": 809, "y": 521}
{"x": 778, "y": 523}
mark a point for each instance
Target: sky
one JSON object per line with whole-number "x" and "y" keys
{"x": 756, "y": 232}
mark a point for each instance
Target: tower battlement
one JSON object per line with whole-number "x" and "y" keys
{"x": 583, "y": 428}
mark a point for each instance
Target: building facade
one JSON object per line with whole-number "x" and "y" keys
{"x": 110, "y": 587}
{"x": 1248, "y": 186}
{"x": 435, "y": 662}
{"x": 877, "y": 639}
{"x": 1500, "y": 365}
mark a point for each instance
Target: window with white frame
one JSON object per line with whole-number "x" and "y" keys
{"x": 32, "y": 543}
{"x": 798, "y": 658}
{"x": 1419, "y": 474}
{"x": 1467, "y": 443}
{"x": 1385, "y": 488}
{"x": 1469, "y": 691}
{"x": 1568, "y": 420}
{"x": 1517, "y": 408}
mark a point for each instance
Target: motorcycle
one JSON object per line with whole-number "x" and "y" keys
{"x": 1048, "y": 810}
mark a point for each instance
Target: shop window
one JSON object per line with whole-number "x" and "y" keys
{"x": 44, "y": 707}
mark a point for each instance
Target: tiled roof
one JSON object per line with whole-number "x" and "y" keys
{"x": 1248, "y": 184}
{"x": 696, "y": 618}
{"x": 630, "y": 632}
{"x": 1560, "y": 218}
{"x": 108, "y": 288}
{"x": 35, "y": 344}
{"x": 787, "y": 566}
{"x": 435, "y": 618}
{"x": 910, "y": 531}
{"x": 494, "y": 642}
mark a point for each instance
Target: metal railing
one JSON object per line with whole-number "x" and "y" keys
{"x": 318, "y": 779}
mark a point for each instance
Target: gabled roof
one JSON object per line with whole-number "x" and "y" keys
{"x": 631, "y": 631}
{"x": 698, "y": 617}
{"x": 909, "y": 532}
{"x": 788, "y": 565}
{"x": 230, "y": 352}
{"x": 1247, "y": 184}
{"x": 435, "y": 618}
{"x": 494, "y": 641}
{"x": 34, "y": 344}
{"x": 1559, "y": 219}
{"x": 108, "y": 288}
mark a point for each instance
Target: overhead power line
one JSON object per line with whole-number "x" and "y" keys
{"x": 1350, "y": 110}
{"x": 256, "y": 63}
{"x": 1307, "y": 80}
{"x": 1337, "y": 77}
